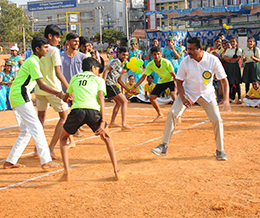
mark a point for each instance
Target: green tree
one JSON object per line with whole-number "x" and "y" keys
{"x": 12, "y": 21}
{"x": 110, "y": 36}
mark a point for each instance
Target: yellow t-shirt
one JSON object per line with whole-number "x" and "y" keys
{"x": 149, "y": 88}
{"x": 167, "y": 92}
{"x": 131, "y": 86}
{"x": 220, "y": 51}
{"x": 255, "y": 93}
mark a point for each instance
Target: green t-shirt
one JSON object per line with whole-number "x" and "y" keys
{"x": 86, "y": 87}
{"x": 164, "y": 71}
{"x": 25, "y": 81}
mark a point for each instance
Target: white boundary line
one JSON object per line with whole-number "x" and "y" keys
{"x": 54, "y": 172}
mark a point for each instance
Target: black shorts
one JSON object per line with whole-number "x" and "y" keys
{"x": 112, "y": 91}
{"x": 159, "y": 88}
{"x": 81, "y": 116}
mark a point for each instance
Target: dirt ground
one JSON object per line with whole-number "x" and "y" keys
{"x": 187, "y": 182}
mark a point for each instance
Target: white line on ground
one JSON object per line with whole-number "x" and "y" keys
{"x": 53, "y": 172}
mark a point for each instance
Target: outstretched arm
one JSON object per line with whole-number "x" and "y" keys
{"x": 49, "y": 89}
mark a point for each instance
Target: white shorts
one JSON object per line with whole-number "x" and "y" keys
{"x": 43, "y": 102}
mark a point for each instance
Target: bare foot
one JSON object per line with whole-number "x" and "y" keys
{"x": 64, "y": 178}
{"x": 117, "y": 176}
{"x": 50, "y": 165}
{"x": 126, "y": 127}
{"x": 78, "y": 134}
{"x": 113, "y": 125}
{"x": 178, "y": 121}
{"x": 239, "y": 101}
{"x": 71, "y": 145}
{"x": 53, "y": 156}
{"x": 158, "y": 117}
{"x": 8, "y": 165}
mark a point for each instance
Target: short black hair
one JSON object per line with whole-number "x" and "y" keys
{"x": 233, "y": 38}
{"x": 122, "y": 49}
{"x": 52, "y": 29}
{"x": 131, "y": 76}
{"x": 155, "y": 38}
{"x": 217, "y": 38}
{"x": 155, "y": 49}
{"x": 221, "y": 34}
{"x": 38, "y": 41}
{"x": 88, "y": 63}
{"x": 256, "y": 81}
{"x": 93, "y": 52}
{"x": 197, "y": 41}
{"x": 71, "y": 36}
{"x": 150, "y": 76}
{"x": 83, "y": 40}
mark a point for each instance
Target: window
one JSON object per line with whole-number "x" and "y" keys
{"x": 175, "y": 7}
{"x": 162, "y": 8}
{"x": 87, "y": 30}
{"x": 87, "y": 16}
{"x": 120, "y": 14}
{"x": 61, "y": 18}
{"x": 120, "y": 28}
{"x": 170, "y": 7}
{"x": 49, "y": 19}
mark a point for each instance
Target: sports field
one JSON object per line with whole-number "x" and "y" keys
{"x": 187, "y": 182}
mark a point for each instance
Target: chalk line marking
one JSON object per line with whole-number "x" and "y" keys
{"x": 60, "y": 170}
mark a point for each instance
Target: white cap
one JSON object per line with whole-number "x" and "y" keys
{"x": 15, "y": 48}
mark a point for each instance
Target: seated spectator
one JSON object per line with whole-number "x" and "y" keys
{"x": 252, "y": 98}
{"x": 6, "y": 80}
{"x": 131, "y": 83}
{"x": 148, "y": 87}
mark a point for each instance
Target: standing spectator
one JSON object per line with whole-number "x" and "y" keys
{"x": 71, "y": 61}
{"x": 6, "y": 80}
{"x": 251, "y": 58}
{"x": 135, "y": 52}
{"x": 232, "y": 68}
{"x": 84, "y": 46}
{"x": 16, "y": 59}
{"x": 50, "y": 67}
{"x": 170, "y": 52}
{"x": 182, "y": 50}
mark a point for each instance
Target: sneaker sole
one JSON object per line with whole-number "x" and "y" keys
{"x": 156, "y": 153}
{"x": 222, "y": 159}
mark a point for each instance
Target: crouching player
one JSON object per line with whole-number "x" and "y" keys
{"x": 88, "y": 108}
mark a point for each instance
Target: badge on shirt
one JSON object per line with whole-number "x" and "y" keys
{"x": 206, "y": 75}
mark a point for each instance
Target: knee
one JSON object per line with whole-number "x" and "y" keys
{"x": 152, "y": 97}
{"x": 217, "y": 121}
{"x": 171, "y": 114}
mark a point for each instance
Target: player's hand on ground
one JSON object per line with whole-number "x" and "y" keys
{"x": 101, "y": 128}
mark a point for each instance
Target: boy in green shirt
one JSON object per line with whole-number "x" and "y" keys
{"x": 165, "y": 71}
{"x": 88, "y": 108}
{"x": 25, "y": 114}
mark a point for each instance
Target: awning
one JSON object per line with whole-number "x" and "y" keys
{"x": 210, "y": 13}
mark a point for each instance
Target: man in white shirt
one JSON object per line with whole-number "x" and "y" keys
{"x": 50, "y": 66}
{"x": 195, "y": 84}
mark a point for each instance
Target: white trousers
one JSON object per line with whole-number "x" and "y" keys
{"x": 212, "y": 111}
{"x": 29, "y": 125}
{"x": 251, "y": 102}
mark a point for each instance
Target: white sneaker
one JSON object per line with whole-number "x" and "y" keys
{"x": 160, "y": 149}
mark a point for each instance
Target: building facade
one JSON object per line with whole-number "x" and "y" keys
{"x": 80, "y": 16}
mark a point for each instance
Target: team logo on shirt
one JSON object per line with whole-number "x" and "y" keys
{"x": 206, "y": 75}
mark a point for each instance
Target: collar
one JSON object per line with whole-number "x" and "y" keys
{"x": 35, "y": 57}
